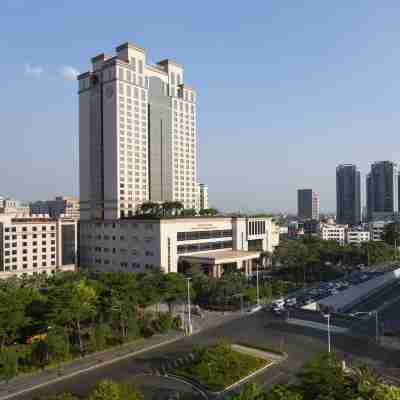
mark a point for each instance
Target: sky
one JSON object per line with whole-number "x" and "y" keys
{"x": 286, "y": 90}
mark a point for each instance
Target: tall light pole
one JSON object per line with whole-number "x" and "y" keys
{"x": 188, "y": 302}
{"x": 328, "y": 317}
{"x": 258, "y": 288}
{"x": 376, "y": 326}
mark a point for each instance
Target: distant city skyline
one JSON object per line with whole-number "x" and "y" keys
{"x": 287, "y": 92}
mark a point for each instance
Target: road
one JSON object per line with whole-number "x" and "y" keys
{"x": 260, "y": 329}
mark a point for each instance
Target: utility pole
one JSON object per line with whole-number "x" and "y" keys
{"x": 189, "y": 329}
{"x": 376, "y": 326}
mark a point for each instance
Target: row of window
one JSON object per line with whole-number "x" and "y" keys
{"x": 25, "y": 259}
{"x": 199, "y": 235}
{"x": 25, "y": 229}
{"x": 25, "y": 266}
{"x": 194, "y": 248}
{"x": 34, "y": 236}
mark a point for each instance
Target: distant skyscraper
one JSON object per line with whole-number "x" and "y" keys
{"x": 348, "y": 194}
{"x": 307, "y": 204}
{"x": 382, "y": 190}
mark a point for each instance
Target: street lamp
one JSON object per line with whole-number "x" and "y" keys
{"x": 189, "y": 329}
{"x": 328, "y": 317}
{"x": 376, "y": 325}
{"x": 258, "y": 288}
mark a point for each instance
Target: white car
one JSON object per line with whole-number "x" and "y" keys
{"x": 278, "y": 302}
{"x": 254, "y": 309}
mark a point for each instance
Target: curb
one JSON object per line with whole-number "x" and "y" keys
{"x": 81, "y": 371}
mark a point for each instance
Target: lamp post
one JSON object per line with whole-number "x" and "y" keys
{"x": 328, "y": 317}
{"x": 376, "y": 325}
{"x": 258, "y": 288}
{"x": 189, "y": 329}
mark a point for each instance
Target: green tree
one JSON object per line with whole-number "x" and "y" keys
{"x": 13, "y": 304}
{"x": 174, "y": 289}
{"x": 71, "y": 304}
{"x": 106, "y": 390}
{"x": 283, "y": 392}
{"x": 391, "y": 234}
{"x": 58, "y": 344}
{"x": 109, "y": 390}
{"x": 8, "y": 364}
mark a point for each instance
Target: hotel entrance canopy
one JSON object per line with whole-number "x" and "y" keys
{"x": 216, "y": 261}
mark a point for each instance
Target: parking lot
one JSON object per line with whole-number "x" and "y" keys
{"x": 308, "y": 296}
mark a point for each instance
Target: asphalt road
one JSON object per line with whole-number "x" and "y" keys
{"x": 259, "y": 329}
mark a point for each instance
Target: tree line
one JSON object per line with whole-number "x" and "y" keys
{"x": 172, "y": 209}
{"x": 313, "y": 259}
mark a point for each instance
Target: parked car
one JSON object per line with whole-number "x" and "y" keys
{"x": 278, "y": 302}
{"x": 291, "y": 302}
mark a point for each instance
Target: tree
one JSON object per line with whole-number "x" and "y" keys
{"x": 8, "y": 364}
{"x": 13, "y": 303}
{"x": 210, "y": 212}
{"x": 189, "y": 212}
{"x": 174, "y": 289}
{"x": 391, "y": 234}
{"x": 106, "y": 390}
{"x": 283, "y": 392}
{"x": 119, "y": 300}
{"x": 72, "y": 303}
{"x": 58, "y": 344}
{"x": 109, "y": 390}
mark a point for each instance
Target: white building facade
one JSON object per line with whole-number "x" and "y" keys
{"x": 203, "y": 196}
{"x": 135, "y": 244}
{"x": 32, "y": 246}
{"x": 333, "y": 232}
{"x": 357, "y": 236}
{"x": 138, "y": 134}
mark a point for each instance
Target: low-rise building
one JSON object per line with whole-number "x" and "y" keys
{"x": 357, "y": 236}
{"x": 32, "y": 246}
{"x": 376, "y": 229}
{"x": 333, "y": 232}
{"x": 215, "y": 244}
{"x": 61, "y": 206}
{"x": 13, "y": 208}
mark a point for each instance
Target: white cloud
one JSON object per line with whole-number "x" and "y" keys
{"x": 69, "y": 73}
{"x": 34, "y": 71}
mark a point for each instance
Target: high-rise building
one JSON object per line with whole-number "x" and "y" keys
{"x": 137, "y": 134}
{"x": 203, "y": 195}
{"x": 307, "y": 204}
{"x": 348, "y": 194}
{"x": 382, "y": 190}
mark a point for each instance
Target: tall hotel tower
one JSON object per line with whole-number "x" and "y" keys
{"x": 137, "y": 134}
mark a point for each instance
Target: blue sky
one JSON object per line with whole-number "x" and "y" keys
{"x": 287, "y": 89}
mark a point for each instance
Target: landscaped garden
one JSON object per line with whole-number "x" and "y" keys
{"x": 219, "y": 366}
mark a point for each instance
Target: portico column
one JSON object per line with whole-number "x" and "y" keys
{"x": 249, "y": 262}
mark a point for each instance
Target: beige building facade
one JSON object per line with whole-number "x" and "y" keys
{"x": 135, "y": 244}
{"x": 137, "y": 134}
{"x": 33, "y": 246}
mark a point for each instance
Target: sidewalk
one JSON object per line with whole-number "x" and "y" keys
{"x": 25, "y": 383}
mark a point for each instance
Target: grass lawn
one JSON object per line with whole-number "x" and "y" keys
{"x": 217, "y": 367}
